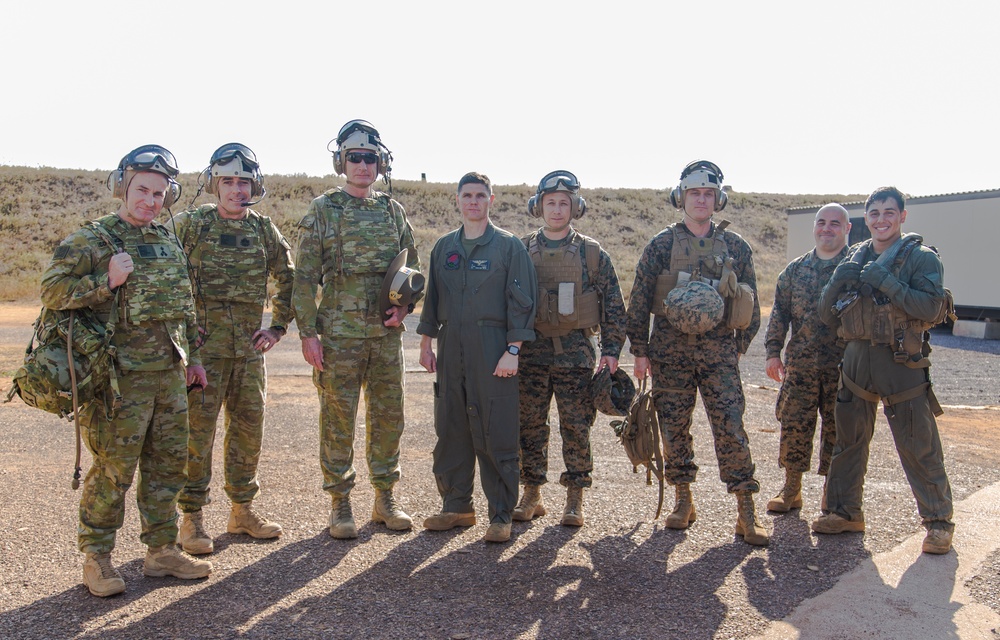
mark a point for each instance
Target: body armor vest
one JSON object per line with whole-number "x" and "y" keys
{"x": 691, "y": 259}
{"x": 230, "y": 260}
{"x": 159, "y": 288}
{"x": 867, "y": 314}
{"x": 562, "y": 304}
{"x": 366, "y": 234}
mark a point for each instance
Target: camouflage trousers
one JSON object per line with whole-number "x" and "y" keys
{"x": 538, "y": 383}
{"x": 914, "y": 431}
{"x": 151, "y": 433}
{"x": 350, "y": 365}
{"x": 240, "y": 383}
{"x": 805, "y": 391}
{"x": 715, "y": 373}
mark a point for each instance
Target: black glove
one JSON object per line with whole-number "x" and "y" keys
{"x": 846, "y": 271}
{"x": 876, "y": 275}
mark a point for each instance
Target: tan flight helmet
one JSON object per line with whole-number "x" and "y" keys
{"x": 695, "y": 307}
{"x": 401, "y": 286}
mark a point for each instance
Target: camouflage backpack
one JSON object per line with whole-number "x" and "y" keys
{"x": 639, "y": 433}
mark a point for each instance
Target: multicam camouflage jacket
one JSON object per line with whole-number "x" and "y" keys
{"x": 796, "y": 304}
{"x": 230, "y": 261}
{"x": 345, "y": 245}
{"x": 157, "y": 325}
{"x": 656, "y": 259}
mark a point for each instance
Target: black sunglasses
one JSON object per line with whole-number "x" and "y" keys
{"x": 358, "y": 158}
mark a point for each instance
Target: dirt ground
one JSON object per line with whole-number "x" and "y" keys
{"x": 621, "y": 575}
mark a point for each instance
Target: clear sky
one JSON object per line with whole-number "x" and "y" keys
{"x": 787, "y": 97}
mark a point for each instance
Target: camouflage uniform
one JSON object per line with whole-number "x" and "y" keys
{"x": 152, "y": 336}
{"x": 347, "y": 243}
{"x": 477, "y": 303}
{"x": 811, "y": 361}
{"x": 565, "y": 372}
{"x": 683, "y": 364}
{"x": 917, "y": 289}
{"x": 230, "y": 261}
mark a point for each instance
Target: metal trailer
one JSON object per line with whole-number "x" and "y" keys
{"x": 963, "y": 227}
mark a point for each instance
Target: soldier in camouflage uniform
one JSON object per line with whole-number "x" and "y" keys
{"x": 144, "y": 280}
{"x": 682, "y": 362}
{"x": 809, "y": 374}
{"x": 347, "y": 240}
{"x": 480, "y": 308}
{"x": 578, "y": 298}
{"x": 231, "y": 251}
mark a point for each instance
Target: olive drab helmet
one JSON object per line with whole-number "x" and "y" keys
{"x": 612, "y": 392}
{"x": 233, "y": 160}
{"x": 359, "y": 135}
{"x": 700, "y": 174}
{"x": 148, "y": 157}
{"x": 695, "y": 307}
{"x": 560, "y": 180}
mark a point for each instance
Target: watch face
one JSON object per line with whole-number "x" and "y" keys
{"x": 513, "y": 349}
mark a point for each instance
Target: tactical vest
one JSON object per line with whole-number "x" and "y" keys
{"x": 691, "y": 258}
{"x": 367, "y": 237}
{"x": 159, "y": 288}
{"x": 562, "y": 304}
{"x": 230, "y": 258}
{"x": 867, "y": 314}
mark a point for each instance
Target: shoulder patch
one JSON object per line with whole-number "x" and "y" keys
{"x": 61, "y": 252}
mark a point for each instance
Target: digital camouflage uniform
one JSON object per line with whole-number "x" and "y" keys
{"x": 230, "y": 261}
{"x": 346, "y": 244}
{"x": 917, "y": 289}
{"x": 811, "y": 361}
{"x": 566, "y": 372}
{"x": 684, "y": 364}
{"x": 153, "y": 331}
{"x": 475, "y": 305}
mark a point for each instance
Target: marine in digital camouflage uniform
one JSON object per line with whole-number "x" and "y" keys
{"x": 347, "y": 240}
{"x": 155, "y": 329}
{"x": 480, "y": 307}
{"x": 231, "y": 252}
{"x": 682, "y": 364}
{"x": 883, "y": 299}
{"x": 810, "y": 372}
{"x": 560, "y": 361}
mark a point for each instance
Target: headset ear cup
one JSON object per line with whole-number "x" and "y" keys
{"x": 115, "y": 184}
{"x": 677, "y": 198}
{"x": 533, "y": 207}
{"x": 581, "y": 207}
{"x": 338, "y": 162}
{"x": 173, "y": 194}
{"x": 206, "y": 179}
{"x": 723, "y": 200}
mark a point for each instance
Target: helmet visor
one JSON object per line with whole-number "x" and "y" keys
{"x": 226, "y": 153}
{"x": 151, "y": 157}
{"x": 559, "y": 181}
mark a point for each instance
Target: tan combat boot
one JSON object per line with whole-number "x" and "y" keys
{"x": 790, "y": 496}
{"x": 832, "y": 523}
{"x": 388, "y": 511}
{"x": 497, "y": 532}
{"x": 100, "y": 576}
{"x": 243, "y": 519}
{"x": 573, "y": 514}
{"x": 168, "y": 560}
{"x": 192, "y": 535}
{"x": 683, "y": 514}
{"x": 447, "y": 520}
{"x": 531, "y": 504}
{"x": 936, "y": 541}
{"x": 342, "y": 524}
{"x": 746, "y": 522}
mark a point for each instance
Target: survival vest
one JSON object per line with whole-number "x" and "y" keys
{"x": 869, "y": 315}
{"x": 562, "y": 304}
{"x": 705, "y": 260}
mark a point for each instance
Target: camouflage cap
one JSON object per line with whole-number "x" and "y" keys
{"x": 695, "y": 307}
{"x": 401, "y": 285}
{"x": 612, "y": 392}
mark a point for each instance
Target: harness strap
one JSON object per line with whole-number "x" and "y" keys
{"x": 891, "y": 401}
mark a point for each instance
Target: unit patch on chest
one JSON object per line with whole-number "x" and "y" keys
{"x": 235, "y": 240}
{"x": 453, "y": 261}
{"x": 154, "y": 251}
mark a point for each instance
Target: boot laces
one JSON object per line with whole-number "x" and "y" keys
{"x": 104, "y": 564}
{"x": 343, "y": 509}
{"x": 389, "y": 503}
{"x": 198, "y": 522}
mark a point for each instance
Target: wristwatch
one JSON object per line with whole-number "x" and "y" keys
{"x": 513, "y": 349}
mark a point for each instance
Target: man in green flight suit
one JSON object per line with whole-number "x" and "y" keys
{"x": 347, "y": 241}
{"x": 143, "y": 280}
{"x": 480, "y": 306}
{"x": 231, "y": 252}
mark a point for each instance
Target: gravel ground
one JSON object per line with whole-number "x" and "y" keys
{"x": 621, "y": 575}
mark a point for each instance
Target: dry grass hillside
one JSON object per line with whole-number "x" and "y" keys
{"x": 39, "y": 207}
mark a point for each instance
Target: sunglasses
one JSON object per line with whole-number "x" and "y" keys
{"x": 151, "y": 156}
{"x": 227, "y": 152}
{"x": 358, "y": 158}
